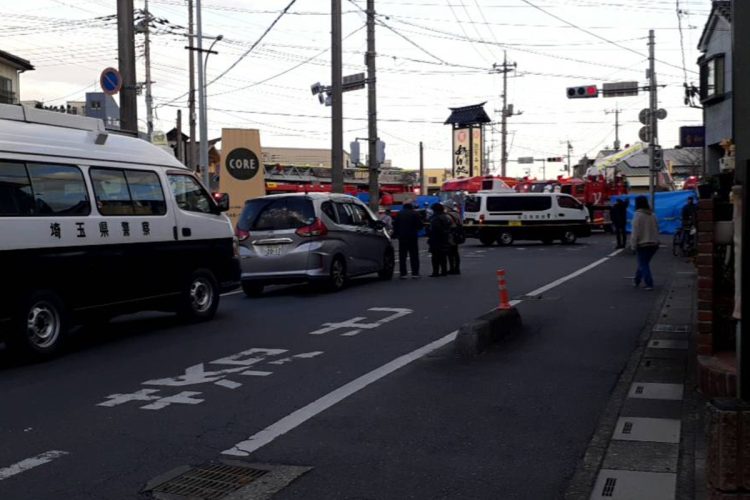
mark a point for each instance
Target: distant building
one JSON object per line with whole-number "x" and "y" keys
{"x": 716, "y": 82}
{"x": 76, "y": 107}
{"x": 299, "y": 157}
{"x": 434, "y": 178}
{"x": 10, "y": 68}
{"x": 103, "y": 106}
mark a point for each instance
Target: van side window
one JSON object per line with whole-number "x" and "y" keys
{"x": 146, "y": 192}
{"x": 567, "y": 202}
{"x": 190, "y": 195}
{"x": 111, "y": 191}
{"x": 518, "y": 203}
{"x": 16, "y": 197}
{"x": 58, "y": 190}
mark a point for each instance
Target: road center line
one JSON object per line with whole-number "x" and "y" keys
{"x": 30, "y": 463}
{"x": 305, "y": 413}
{"x": 298, "y": 417}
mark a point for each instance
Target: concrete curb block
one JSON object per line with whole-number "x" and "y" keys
{"x": 475, "y": 337}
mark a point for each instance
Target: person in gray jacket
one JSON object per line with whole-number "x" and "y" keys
{"x": 644, "y": 241}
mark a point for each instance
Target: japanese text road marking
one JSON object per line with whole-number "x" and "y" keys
{"x": 355, "y": 326}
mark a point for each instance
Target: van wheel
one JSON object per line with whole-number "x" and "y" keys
{"x": 252, "y": 289}
{"x": 200, "y": 299}
{"x": 337, "y": 275}
{"x": 41, "y": 325}
{"x": 389, "y": 263}
{"x": 568, "y": 238}
{"x": 505, "y": 238}
{"x": 486, "y": 238}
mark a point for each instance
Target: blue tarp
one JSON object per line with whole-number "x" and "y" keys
{"x": 418, "y": 202}
{"x": 668, "y": 208}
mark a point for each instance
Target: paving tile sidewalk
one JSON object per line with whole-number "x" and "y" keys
{"x": 645, "y": 445}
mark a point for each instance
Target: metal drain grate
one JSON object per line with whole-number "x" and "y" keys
{"x": 609, "y": 487}
{"x": 627, "y": 428}
{"x": 663, "y": 327}
{"x": 210, "y": 482}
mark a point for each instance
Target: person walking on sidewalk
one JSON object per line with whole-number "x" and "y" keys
{"x": 457, "y": 238}
{"x": 644, "y": 241}
{"x": 439, "y": 240}
{"x": 619, "y": 217}
{"x": 406, "y": 228}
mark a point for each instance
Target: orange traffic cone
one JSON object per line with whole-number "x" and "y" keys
{"x": 501, "y": 287}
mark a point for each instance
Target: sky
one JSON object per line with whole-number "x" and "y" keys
{"x": 432, "y": 55}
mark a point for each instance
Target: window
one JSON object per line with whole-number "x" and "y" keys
{"x": 712, "y": 78}
{"x": 146, "y": 192}
{"x": 346, "y": 214}
{"x": 96, "y": 105}
{"x": 190, "y": 195}
{"x": 127, "y": 192}
{"x": 473, "y": 204}
{"x": 568, "y": 202}
{"x": 268, "y": 214}
{"x": 16, "y": 197}
{"x": 518, "y": 203}
{"x": 6, "y": 91}
{"x": 58, "y": 190}
{"x": 361, "y": 215}
{"x": 432, "y": 180}
{"x": 329, "y": 210}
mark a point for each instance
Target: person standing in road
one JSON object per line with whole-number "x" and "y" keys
{"x": 439, "y": 240}
{"x": 387, "y": 219}
{"x": 407, "y": 226}
{"x": 619, "y": 217}
{"x": 457, "y": 238}
{"x": 644, "y": 241}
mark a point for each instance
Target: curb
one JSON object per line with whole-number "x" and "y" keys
{"x": 475, "y": 337}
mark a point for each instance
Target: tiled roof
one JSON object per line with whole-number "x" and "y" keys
{"x": 16, "y": 61}
{"x": 468, "y": 115}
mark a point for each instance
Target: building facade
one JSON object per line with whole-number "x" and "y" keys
{"x": 10, "y": 68}
{"x": 716, "y": 82}
{"x": 103, "y": 106}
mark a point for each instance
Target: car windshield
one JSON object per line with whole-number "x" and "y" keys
{"x": 267, "y": 214}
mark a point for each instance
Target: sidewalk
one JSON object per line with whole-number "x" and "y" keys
{"x": 649, "y": 443}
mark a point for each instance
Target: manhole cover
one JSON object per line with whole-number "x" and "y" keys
{"x": 209, "y": 482}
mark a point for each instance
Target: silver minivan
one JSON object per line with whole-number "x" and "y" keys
{"x": 316, "y": 237}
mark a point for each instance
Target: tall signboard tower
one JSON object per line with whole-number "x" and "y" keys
{"x": 467, "y": 125}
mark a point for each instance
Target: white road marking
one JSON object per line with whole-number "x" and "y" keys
{"x": 356, "y": 323}
{"x": 236, "y": 292}
{"x": 183, "y": 398}
{"x": 228, "y": 384}
{"x": 30, "y": 463}
{"x": 118, "y": 399}
{"x": 619, "y": 250}
{"x": 300, "y": 416}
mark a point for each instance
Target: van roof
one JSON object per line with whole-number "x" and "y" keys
{"x": 314, "y": 196}
{"x": 30, "y": 131}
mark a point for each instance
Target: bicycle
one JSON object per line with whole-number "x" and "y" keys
{"x": 684, "y": 245}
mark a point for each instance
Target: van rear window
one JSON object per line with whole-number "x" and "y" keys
{"x": 42, "y": 189}
{"x": 472, "y": 204}
{"x": 127, "y": 192}
{"x": 270, "y": 214}
{"x": 518, "y": 203}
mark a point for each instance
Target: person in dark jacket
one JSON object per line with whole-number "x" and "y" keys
{"x": 406, "y": 227}
{"x": 619, "y": 217}
{"x": 457, "y": 238}
{"x": 439, "y": 240}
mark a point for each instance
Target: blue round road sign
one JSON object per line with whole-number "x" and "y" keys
{"x": 110, "y": 81}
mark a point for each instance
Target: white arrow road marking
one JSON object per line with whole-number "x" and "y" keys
{"x": 30, "y": 463}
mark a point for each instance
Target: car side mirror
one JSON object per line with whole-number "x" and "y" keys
{"x": 222, "y": 201}
{"x": 377, "y": 224}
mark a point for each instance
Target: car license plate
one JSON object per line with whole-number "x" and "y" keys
{"x": 514, "y": 223}
{"x": 271, "y": 250}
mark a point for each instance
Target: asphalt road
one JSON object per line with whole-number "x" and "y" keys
{"x": 147, "y": 394}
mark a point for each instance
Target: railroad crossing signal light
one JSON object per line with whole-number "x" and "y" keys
{"x": 583, "y": 92}
{"x": 555, "y": 158}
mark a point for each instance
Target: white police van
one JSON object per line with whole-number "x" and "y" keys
{"x": 504, "y": 217}
{"x": 94, "y": 224}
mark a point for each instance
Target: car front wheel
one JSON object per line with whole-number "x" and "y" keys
{"x": 568, "y": 238}
{"x": 389, "y": 263}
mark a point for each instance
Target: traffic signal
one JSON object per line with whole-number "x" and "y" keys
{"x": 583, "y": 92}
{"x": 555, "y": 158}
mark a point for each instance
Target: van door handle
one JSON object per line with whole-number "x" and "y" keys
{"x": 174, "y": 232}
{"x": 561, "y": 215}
{"x": 186, "y": 231}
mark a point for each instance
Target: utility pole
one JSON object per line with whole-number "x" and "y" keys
{"x": 192, "y": 152}
{"x": 180, "y": 145}
{"x": 202, "y": 118}
{"x": 372, "y": 110}
{"x": 147, "y": 57}
{"x": 616, "y": 112}
{"x": 570, "y": 148}
{"x": 422, "y": 187}
{"x": 337, "y": 111}
{"x": 653, "y": 121}
{"x": 506, "y": 111}
{"x": 126, "y": 64}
